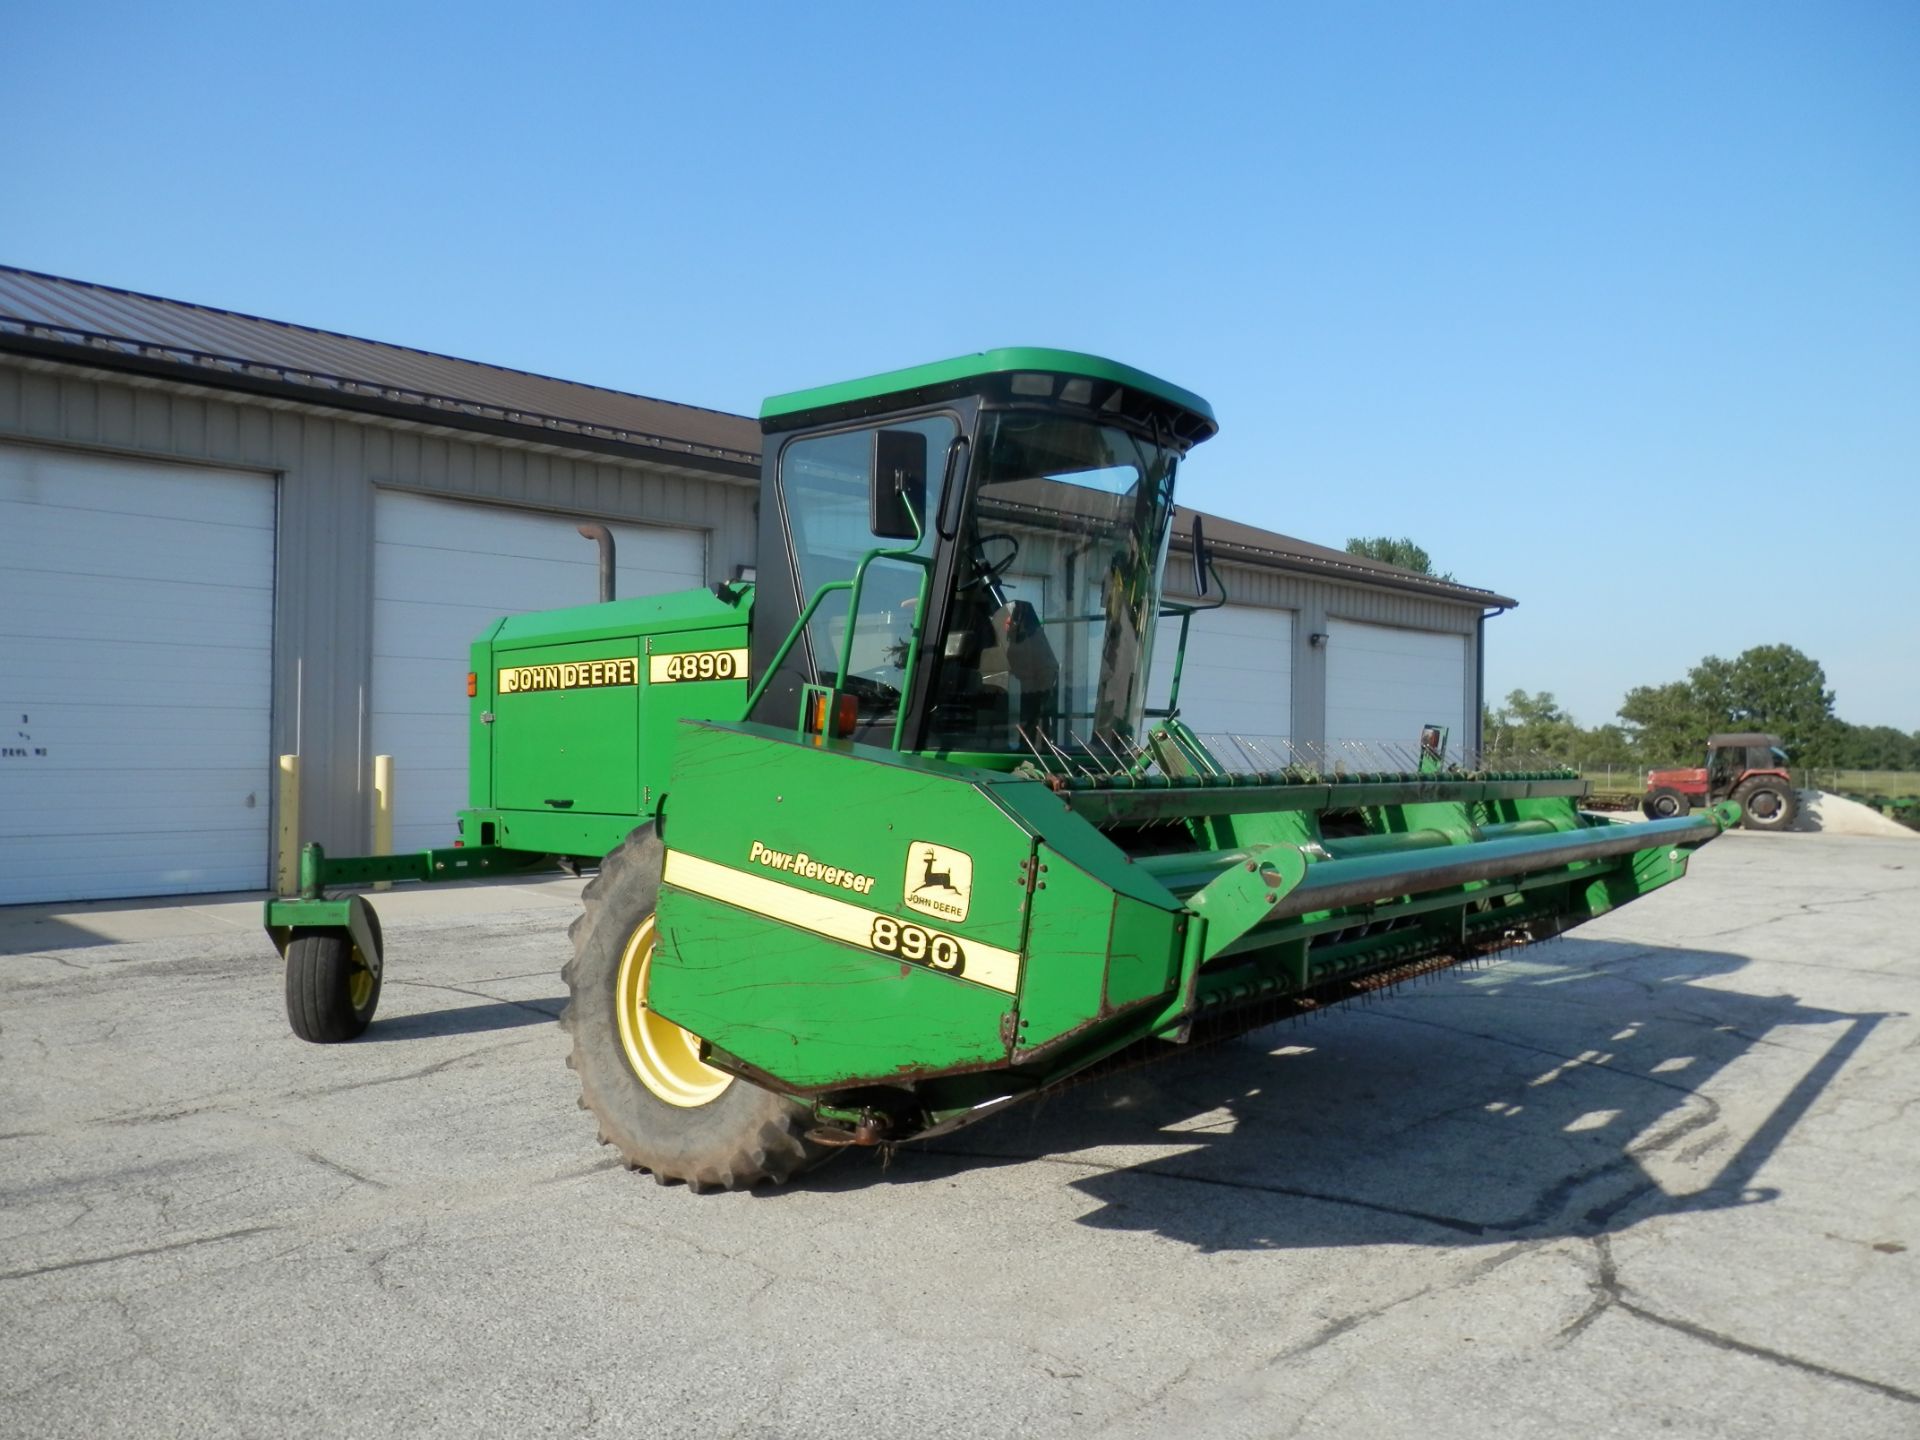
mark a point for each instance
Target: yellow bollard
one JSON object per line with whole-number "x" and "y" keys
{"x": 286, "y": 850}
{"x": 383, "y": 811}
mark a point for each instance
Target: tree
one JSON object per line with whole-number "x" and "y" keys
{"x": 1535, "y": 724}
{"x": 1667, "y": 724}
{"x": 1874, "y": 747}
{"x": 1389, "y": 551}
{"x": 1532, "y": 723}
{"x": 1606, "y": 745}
{"x": 1774, "y": 688}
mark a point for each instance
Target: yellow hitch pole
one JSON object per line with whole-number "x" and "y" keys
{"x": 286, "y": 850}
{"x": 383, "y": 811}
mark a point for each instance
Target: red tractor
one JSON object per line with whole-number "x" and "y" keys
{"x": 1751, "y": 769}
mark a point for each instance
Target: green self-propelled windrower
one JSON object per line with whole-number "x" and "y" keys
{"x": 890, "y": 838}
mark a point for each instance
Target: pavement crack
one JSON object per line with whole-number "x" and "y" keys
{"x": 1346, "y": 1324}
{"x": 1609, "y": 1293}
{"x": 418, "y": 1074}
{"x": 354, "y": 1175}
{"x": 1606, "y": 1292}
{"x": 1761, "y": 1352}
{"x": 118, "y": 1255}
{"x": 480, "y": 995}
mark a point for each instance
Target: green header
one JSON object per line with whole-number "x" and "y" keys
{"x": 985, "y": 363}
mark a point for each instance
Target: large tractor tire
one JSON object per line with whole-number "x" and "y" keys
{"x": 1767, "y": 803}
{"x": 332, "y": 991}
{"x": 1664, "y": 804}
{"x": 658, "y": 1103}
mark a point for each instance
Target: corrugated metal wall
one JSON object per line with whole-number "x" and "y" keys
{"x": 1316, "y": 601}
{"x": 328, "y": 467}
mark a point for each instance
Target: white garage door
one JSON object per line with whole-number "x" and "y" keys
{"x": 1238, "y": 675}
{"x": 136, "y": 641}
{"x": 1384, "y": 683}
{"x": 443, "y": 570}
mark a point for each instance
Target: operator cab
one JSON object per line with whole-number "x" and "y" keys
{"x": 1731, "y": 758}
{"x": 966, "y": 557}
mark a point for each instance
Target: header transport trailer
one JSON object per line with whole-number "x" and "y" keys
{"x": 889, "y": 839}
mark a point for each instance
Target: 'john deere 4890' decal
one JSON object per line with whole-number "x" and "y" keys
{"x": 697, "y": 665}
{"x": 850, "y": 924}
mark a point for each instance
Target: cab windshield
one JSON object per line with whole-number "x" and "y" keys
{"x": 1057, "y": 589}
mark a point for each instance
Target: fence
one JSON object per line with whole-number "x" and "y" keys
{"x": 1890, "y": 783}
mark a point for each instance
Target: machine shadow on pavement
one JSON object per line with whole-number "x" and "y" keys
{"x": 1561, "y": 1091}
{"x": 465, "y": 1019}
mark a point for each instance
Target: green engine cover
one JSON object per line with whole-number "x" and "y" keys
{"x": 574, "y": 713}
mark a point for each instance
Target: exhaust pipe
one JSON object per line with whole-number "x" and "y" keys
{"x": 603, "y": 537}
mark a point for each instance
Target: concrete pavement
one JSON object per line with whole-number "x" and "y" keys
{"x": 1657, "y": 1177}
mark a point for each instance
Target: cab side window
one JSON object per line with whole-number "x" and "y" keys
{"x": 825, "y": 484}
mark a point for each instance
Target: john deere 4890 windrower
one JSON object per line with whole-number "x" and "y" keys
{"x": 890, "y": 840}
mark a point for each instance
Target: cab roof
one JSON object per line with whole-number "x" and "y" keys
{"x": 965, "y": 373}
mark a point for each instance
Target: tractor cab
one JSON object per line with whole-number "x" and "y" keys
{"x": 965, "y": 558}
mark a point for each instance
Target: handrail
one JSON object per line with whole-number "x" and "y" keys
{"x": 1186, "y": 612}
{"x": 854, "y": 586}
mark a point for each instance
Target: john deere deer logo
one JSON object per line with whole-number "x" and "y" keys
{"x": 939, "y": 880}
{"x": 930, "y": 877}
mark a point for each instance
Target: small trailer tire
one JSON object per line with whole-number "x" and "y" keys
{"x": 657, "y": 1102}
{"x": 331, "y": 991}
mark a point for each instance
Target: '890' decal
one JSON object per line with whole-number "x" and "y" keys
{"x": 918, "y": 946}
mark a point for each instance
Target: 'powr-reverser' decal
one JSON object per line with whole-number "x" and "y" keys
{"x": 849, "y": 924}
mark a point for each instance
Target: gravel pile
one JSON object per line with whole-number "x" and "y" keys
{"x": 1827, "y": 813}
{"x": 1836, "y": 815}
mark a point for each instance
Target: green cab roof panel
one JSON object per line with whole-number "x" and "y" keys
{"x": 955, "y": 373}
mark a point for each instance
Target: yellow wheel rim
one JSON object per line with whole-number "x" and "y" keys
{"x": 359, "y": 980}
{"x": 664, "y": 1056}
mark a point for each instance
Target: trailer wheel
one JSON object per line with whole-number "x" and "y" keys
{"x": 1664, "y": 804}
{"x": 331, "y": 990}
{"x": 658, "y": 1103}
{"x": 1767, "y": 804}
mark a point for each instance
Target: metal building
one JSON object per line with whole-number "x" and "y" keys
{"x": 224, "y": 538}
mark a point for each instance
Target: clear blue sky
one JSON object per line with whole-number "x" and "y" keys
{"x": 1614, "y": 308}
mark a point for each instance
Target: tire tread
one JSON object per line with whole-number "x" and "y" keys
{"x": 747, "y": 1136}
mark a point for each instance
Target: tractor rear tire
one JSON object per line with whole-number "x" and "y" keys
{"x": 662, "y": 1107}
{"x": 1767, "y": 804}
{"x": 331, "y": 991}
{"x": 1664, "y": 804}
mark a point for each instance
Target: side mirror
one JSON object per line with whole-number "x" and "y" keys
{"x": 1202, "y": 581}
{"x": 897, "y": 502}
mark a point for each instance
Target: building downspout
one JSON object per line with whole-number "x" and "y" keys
{"x": 1480, "y": 677}
{"x": 604, "y": 538}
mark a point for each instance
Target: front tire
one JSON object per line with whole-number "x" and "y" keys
{"x": 658, "y": 1103}
{"x": 332, "y": 991}
{"x": 1767, "y": 804}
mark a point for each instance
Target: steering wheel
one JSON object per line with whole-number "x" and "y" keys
{"x": 876, "y": 692}
{"x": 987, "y": 572}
